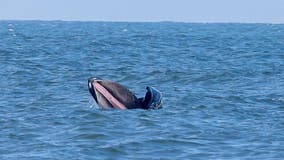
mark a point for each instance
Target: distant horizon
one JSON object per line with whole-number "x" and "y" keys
{"x": 162, "y": 21}
{"x": 187, "y": 11}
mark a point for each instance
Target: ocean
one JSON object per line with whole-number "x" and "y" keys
{"x": 222, "y": 86}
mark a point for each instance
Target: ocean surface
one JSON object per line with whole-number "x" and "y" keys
{"x": 222, "y": 85}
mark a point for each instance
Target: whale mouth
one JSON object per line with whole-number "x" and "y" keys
{"x": 102, "y": 95}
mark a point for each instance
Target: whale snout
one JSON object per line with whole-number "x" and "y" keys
{"x": 91, "y": 80}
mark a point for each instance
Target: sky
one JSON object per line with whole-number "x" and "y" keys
{"x": 240, "y": 11}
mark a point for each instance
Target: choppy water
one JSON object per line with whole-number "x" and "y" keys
{"x": 223, "y": 87}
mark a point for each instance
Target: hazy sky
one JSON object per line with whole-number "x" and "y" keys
{"x": 253, "y": 11}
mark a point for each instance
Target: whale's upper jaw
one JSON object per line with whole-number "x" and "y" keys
{"x": 92, "y": 88}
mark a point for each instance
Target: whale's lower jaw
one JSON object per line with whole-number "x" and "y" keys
{"x": 99, "y": 98}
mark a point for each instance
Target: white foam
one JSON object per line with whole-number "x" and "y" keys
{"x": 278, "y": 99}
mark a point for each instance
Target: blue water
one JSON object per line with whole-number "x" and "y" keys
{"x": 223, "y": 88}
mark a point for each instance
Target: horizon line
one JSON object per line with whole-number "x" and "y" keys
{"x": 145, "y": 21}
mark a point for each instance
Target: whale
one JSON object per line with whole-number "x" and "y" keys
{"x": 113, "y": 95}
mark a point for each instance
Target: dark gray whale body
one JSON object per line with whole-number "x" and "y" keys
{"x": 109, "y": 94}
